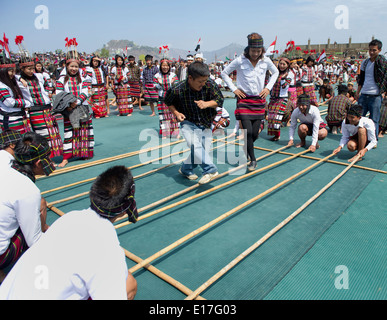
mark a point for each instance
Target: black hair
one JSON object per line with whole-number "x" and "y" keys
{"x": 131, "y": 57}
{"x": 148, "y": 57}
{"x": 10, "y": 83}
{"x": 247, "y": 54}
{"x": 22, "y": 147}
{"x": 169, "y": 64}
{"x": 116, "y": 58}
{"x": 91, "y": 62}
{"x": 377, "y": 43}
{"x": 310, "y": 58}
{"x": 112, "y": 187}
{"x": 198, "y": 69}
{"x": 342, "y": 89}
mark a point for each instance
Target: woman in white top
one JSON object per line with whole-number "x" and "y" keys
{"x": 250, "y": 90}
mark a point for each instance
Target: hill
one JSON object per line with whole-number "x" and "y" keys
{"x": 118, "y": 46}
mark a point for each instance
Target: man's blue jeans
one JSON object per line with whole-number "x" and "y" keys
{"x": 371, "y": 103}
{"x": 199, "y": 140}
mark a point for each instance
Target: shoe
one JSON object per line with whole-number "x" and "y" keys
{"x": 252, "y": 166}
{"x": 189, "y": 176}
{"x": 208, "y": 177}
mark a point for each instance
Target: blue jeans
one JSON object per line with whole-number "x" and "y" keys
{"x": 198, "y": 139}
{"x": 371, "y": 103}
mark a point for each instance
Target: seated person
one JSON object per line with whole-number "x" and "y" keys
{"x": 326, "y": 91}
{"x": 358, "y": 133}
{"x": 311, "y": 123}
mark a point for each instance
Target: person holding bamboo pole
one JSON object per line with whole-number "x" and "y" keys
{"x": 80, "y": 256}
{"x": 358, "y": 133}
{"x": 311, "y": 123}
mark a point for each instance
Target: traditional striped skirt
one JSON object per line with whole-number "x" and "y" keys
{"x": 276, "y": 111}
{"x": 15, "y": 121}
{"x": 169, "y": 127}
{"x": 78, "y": 142}
{"x": 250, "y": 108}
{"x": 123, "y": 99}
{"x": 134, "y": 88}
{"x": 16, "y": 248}
{"x": 291, "y": 105}
{"x": 98, "y": 100}
{"x": 309, "y": 90}
{"x": 44, "y": 124}
{"x": 150, "y": 93}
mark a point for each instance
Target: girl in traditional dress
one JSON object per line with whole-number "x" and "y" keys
{"x": 251, "y": 90}
{"x": 79, "y": 139}
{"x": 307, "y": 78}
{"x": 150, "y": 91}
{"x": 120, "y": 87}
{"x": 163, "y": 80}
{"x": 295, "y": 78}
{"x": 12, "y": 103}
{"x": 99, "y": 86}
{"x": 35, "y": 88}
{"x": 278, "y": 99}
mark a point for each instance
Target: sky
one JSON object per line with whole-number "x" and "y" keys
{"x": 180, "y": 23}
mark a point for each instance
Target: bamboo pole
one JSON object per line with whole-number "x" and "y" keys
{"x": 173, "y": 205}
{"x": 91, "y": 179}
{"x": 222, "y": 217}
{"x": 149, "y": 267}
{"x": 162, "y": 275}
{"x": 315, "y": 158}
{"x": 244, "y": 254}
{"x": 132, "y": 167}
{"x": 109, "y": 159}
{"x": 177, "y": 194}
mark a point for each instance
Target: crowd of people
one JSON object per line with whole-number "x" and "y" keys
{"x": 276, "y": 93}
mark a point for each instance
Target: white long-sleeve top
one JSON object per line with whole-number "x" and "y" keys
{"x": 250, "y": 79}
{"x": 19, "y": 208}
{"x": 27, "y": 93}
{"x": 78, "y": 257}
{"x": 313, "y": 116}
{"x": 348, "y": 130}
{"x": 8, "y": 103}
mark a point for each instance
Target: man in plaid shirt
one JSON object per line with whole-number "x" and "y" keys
{"x": 194, "y": 101}
{"x": 337, "y": 109}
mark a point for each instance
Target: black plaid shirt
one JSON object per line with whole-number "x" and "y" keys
{"x": 182, "y": 97}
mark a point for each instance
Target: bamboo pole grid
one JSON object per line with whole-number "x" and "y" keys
{"x": 145, "y": 263}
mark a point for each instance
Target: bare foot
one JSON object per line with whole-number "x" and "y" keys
{"x": 301, "y": 144}
{"x": 140, "y": 108}
{"x": 129, "y": 115}
{"x": 62, "y": 164}
{"x": 232, "y": 134}
{"x": 380, "y": 135}
{"x": 153, "y": 114}
{"x": 241, "y": 136}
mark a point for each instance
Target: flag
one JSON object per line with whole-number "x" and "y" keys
{"x": 5, "y": 46}
{"x": 322, "y": 57}
{"x": 271, "y": 50}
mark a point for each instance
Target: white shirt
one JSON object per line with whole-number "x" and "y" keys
{"x": 19, "y": 207}
{"x": 78, "y": 257}
{"x": 27, "y": 93}
{"x": 251, "y": 80}
{"x": 313, "y": 116}
{"x": 348, "y": 130}
{"x": 9, "y": 104}
{"x": 5, "y": 159}
{"x": 369, "y": 86}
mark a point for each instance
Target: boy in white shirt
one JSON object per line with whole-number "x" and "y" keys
{"x": 358, "y": 133}
{"x": 311, "y": 123}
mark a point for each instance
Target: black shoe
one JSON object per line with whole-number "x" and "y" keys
{"x": 252, "y": 166}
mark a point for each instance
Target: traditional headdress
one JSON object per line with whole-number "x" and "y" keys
{"x": 37, "y": 152}
{"x": 255, "y": 40}
{"x": 304, "y": 100}
{"x": 6, "y": 57}
{"x": 128, "y": 205}
{"x": 25, "y": 57}
{"x": 9, "y": 137}
{"x": 355, "y": 110}
{"x": 72, "y": 53}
